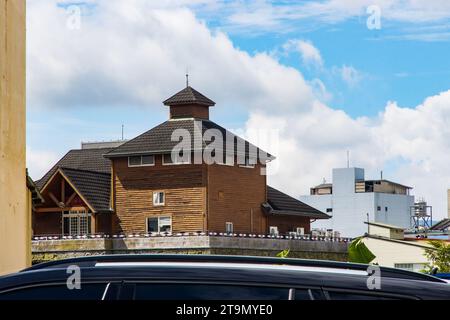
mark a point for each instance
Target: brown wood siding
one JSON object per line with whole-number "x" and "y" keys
{"x": 235, "y": 194}
{"x": 47, "y": 223}
{"x": 184, "y": 187}
{"x": 194, "y": 111}
{"x": 103, "y": 223}
{"x": 286, "y": 224}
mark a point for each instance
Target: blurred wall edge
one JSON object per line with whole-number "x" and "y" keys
{"x": 15, "y": 226}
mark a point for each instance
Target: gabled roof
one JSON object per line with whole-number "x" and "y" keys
{"x": 280, "y": 203}
{"x": 159, "y": 139}
{"x": 84, "y": 159}
{"x": 189, "y": 96}
{"x": 95, "y": 187}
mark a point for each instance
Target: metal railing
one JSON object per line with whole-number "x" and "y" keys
{"x": 306, "y": 237}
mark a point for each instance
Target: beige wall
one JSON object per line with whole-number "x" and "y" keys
{"x": 390, "y": 253}
{"x": 14, "y": 220}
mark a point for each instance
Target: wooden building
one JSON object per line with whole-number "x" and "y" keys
{"x": 143, "y": 186}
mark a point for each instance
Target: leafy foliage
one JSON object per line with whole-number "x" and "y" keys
{"x": 438, "y": 256}
{"x": 359, "y": 253}
{"x": 284, "y": 253}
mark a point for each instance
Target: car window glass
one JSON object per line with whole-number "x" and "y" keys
{"x": 153, "y": 291}
{"x": 56, "y": 292}
{"x": 334, "y": 295}
{"x": 308, "y": 294}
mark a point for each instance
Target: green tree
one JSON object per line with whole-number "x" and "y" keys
{"x": 359, "y": 253}
{"x": 438, "y": 256}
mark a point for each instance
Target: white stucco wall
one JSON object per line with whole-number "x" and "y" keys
{"x": 350, "y": 209}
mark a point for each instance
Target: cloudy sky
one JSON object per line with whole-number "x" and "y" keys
{"x": 371, "y": 77}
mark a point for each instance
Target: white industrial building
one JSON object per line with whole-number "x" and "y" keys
{"x": 351, "y": 201}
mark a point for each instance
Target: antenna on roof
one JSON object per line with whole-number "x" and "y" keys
{"x": 122, "y": 131}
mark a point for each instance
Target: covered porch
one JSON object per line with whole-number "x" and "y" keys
{"x": 69, "y": 208}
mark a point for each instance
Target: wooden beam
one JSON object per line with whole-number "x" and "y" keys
{"x": 71, "y": 199}
{"x": 63, "y": 190}
{"x": 50, "y": 210}
{"x": 59, "y": 204}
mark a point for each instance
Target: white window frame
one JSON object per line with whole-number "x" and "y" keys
{"x": 75, "y": 217}
{"x": 174, "y": 163}
{"x": 141, "y": 165}
{"x": 275, "y": 228}
{"x": 227, "y": 226}
{"x": 158, "y": 204}
{"x": 159, "y": 223}
{"x": 247, "y": 164}
{"x": 226, "y": 163}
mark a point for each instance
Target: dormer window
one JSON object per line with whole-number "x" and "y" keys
{"x": 141, "y": 161}
{"x": 248, "y": 163}
{"x": 168, "y": 160}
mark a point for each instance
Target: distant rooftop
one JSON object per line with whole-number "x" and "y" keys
{"x": 102, "y": 144}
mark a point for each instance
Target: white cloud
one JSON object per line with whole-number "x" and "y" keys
{"x": 418, "y": 138}
{"x": 129, "y": 53}
{"x": 38, "y": 161}
{"x": 309, "y": 53}
{"x": 349, "y": 75}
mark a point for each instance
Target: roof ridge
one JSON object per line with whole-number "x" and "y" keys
{"x": 83, "y": 170}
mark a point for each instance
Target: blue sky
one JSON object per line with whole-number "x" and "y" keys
{"x": 311, "y": 69}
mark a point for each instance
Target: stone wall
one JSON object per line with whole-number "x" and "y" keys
{"x": 46, "y": 250}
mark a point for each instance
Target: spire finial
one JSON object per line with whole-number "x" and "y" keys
{"x": 187, "y": 77}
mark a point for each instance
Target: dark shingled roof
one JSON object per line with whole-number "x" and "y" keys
{"x": 158, "y": 139}
{"x": 280, "y": 203}
{"x": 95, "y": 187}
{"x": 189, "y": 96}
{"x": 84, "y": 159}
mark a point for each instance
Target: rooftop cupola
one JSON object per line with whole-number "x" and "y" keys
{"x": 189, "y": 103}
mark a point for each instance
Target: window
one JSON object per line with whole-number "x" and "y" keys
{"x": 357, "y": 296}
{"x": 329, "y": 210}
{"x": 386, "y": 209}
{"x": 378, "y": 208}
{"x": 76, "y": 223}
{"x": 228, "y": 160}
{"x": 158, "y": 291}
{"x": 229, "y": 227}
{"x": 88, "y": 291}
{"x": 404, "y": 266}
{"x": 248, "y": 163}
{"x": 141, "y": 161}
{"x": 158, "y": 198}
{"x": 173, "y": 159}
{"x": 300, "y": 231}
{"x": 159, "y": 224}
{"x": 273, "y": 231}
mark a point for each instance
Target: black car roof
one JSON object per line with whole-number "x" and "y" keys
{"x": 91, "y": 261}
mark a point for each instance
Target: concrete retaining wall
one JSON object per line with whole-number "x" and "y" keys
{"x": 46, "y": 250}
